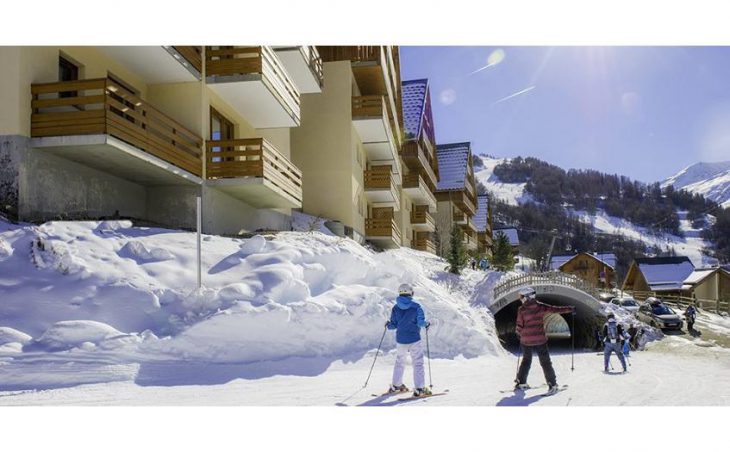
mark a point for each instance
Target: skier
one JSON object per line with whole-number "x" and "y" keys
{"x": 613, "y": 333}
{"x": 473, "y": 263}
{"x": 483, "y": 264}
{"x": 690, "y": 314}
{"x": 531, "y": 331}
{"x": 407, "y": 318}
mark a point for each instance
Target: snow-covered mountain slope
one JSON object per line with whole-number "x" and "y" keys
{"x": 513, "y": 194}
{"x": 129, "y": 294}
{"x": 711, "y": 180}
{"x": 691, "y": 245}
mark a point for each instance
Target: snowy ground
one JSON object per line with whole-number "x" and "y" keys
{"x": 671, "y": 372}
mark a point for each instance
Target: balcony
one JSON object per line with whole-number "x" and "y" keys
{"x": 254, "y": 171}
{"x": 304, "y": 65}
{"x": 371, "y": 122}
{"x": 460, "y": 198}
{"x": 417, "y": 189}
{"x": 422, "y": 220}
{"x": 384, "y": 232}
{"x": 159, "y": 64}
{"x": 380, "y": 188}
{"x": 99, "y": 124}
{"x": 254, "y": 82}
{"x": 459, "y": 217}
{"x": 470, "y": 241}
{"x": 416, "y": 159}
{"x": 424, "y": 242}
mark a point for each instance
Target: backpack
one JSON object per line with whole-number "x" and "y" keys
{"x": 612, "y": 332}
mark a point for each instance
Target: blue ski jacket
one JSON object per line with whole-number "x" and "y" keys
{"x": 407, "y": 318}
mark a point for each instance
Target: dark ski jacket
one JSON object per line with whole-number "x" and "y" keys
{"x": 531, "y": 321}
{"x": 407, "y": 318}
{"x": 620, "y": 335}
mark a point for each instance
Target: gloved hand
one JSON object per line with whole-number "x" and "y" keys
{"x": 428, "y": 324}
{"x": 387, "y": 323}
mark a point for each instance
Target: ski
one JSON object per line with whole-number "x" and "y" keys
{"x": 406, "y": 399}
{"x": 505, "y": 391}
{"x": 389, "y": 393}
{"x": 560, "y": 389}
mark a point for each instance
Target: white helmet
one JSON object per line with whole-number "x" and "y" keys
{"x": 405, "y": 289}
{"x": 527, "y": 292}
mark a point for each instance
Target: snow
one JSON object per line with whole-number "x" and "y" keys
{"x": 129, "y": 294}
{"x": 710, "y": 179}
{"x": 513, "y": 194}
{"x": 692, "y": 247}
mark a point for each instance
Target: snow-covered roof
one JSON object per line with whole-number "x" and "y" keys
{"x": 665, "y": 273}
{"x": 608, "y": 259}
{"x": 413, "y": 95}
{"x": 453, "y": 160}
{"x": 511, "y": 234}
{"x": 698, "y": 275}
{"x": 480, "y": 218}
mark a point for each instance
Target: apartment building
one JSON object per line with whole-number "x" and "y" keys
{"x": 348, "y": 144}
{"x": 483, "y": 223}
{"x": 456, "y": 193}
{"x": 141, "y": 132}
{"x": 420, "y": 166}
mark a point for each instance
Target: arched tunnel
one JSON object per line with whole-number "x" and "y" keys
{"x": 559, "y": 327}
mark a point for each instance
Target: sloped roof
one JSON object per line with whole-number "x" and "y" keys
{"x": 608, "y": 259}
{"x": 665, "y": 273}
{"x": 480, "y": 218}
{"x": 453, "y": 160}
{"x": 511, "y": 234}
{"x": 698, "y": 275}
{"x": 413, "y": 95}
{"x": 557, "y": 261}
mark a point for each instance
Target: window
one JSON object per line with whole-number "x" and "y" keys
{"x": 67, "y": 72}
{"x": 220, "y": 129}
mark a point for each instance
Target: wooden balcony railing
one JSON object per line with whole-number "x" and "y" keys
{"x": 422, "y": 216}
{"x": 381, "y": 179}
{"x": 368, "y": 107}
{"x": 459, "y": 216}
{"x": 382, "y": 227}
{"x": 314, "y": 61}
{"x": 262, "y": 60}
{"x": 101, "y": 106}
{"x": 425, "y": 244}
{"x": 193, "y": 55}
{"x": 255, "y": 158}
{"x": 351, "y": 53}
{"x": 415, "y": 157}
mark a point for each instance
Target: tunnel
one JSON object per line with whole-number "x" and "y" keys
{"x": 560, "y": 327}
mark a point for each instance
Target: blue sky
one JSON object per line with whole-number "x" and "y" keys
{"x": 644, "y": 112}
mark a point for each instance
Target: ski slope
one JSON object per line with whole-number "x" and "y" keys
{"x": 709, "y": 179}
{"x": 513, "y": 194}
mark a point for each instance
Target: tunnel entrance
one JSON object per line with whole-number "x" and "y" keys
{"x": 555, "y": 289}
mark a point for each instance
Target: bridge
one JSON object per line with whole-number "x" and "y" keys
{"x": 554, "y": 288}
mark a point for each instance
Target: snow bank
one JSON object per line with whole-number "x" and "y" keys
{"x": 85, "y": 285}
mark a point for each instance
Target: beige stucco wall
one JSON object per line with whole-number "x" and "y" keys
{"x": 709, "y": 288}
{"x": 325, "y": 147}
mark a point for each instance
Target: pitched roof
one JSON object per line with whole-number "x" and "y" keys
{"x": 453, "y": 160}
{"x": 608, "y": 259}
{"x": 665, "y": 273}
{"x": 413, "y": 95}
{"x": 698, "y": 275}
{"x": 557, "y": 261}
{"x": 480, "y": 218}
{"x": 511, "y": 234}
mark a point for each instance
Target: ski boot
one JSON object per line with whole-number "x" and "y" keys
{"x": 552, "y": 389}
{"x": 393, "y": 389}
{"x": 422, "y": 392}
{"x": 521, "y": 386}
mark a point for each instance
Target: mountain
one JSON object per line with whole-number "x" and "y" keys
{"x": 711, "y": 180}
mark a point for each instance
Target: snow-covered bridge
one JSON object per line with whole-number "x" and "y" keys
{"x": 552, "y": 288}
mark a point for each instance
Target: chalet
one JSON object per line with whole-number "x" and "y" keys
{"x": 708, "y": 284}
{"x": 658, "y": 274}
{"x": 597, "y": 268}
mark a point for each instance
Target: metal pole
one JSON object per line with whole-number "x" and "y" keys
{"x": 199, "y": 203}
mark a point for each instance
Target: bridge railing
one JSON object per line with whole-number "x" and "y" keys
{"x": 541, "y": 278}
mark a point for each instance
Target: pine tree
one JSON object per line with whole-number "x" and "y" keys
{"x": 502, "y": 259}
{"x": 457, "y": 256}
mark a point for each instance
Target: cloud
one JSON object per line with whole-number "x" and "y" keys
{"x": 494, "y": 58}
{"x": 518, "y": 93}
{"x": 447, "y": 96}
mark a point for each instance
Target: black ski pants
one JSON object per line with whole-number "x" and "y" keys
{"x": 544, "y": 357}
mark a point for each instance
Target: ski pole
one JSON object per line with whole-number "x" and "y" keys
{"x": 428, "y": 353}
{"x": 376, "y": 355}
{"x": 572, "y": 343}
{"x": 519, "y": 352}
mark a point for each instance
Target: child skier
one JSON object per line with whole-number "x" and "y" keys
{"x": 613, "y": 334}
{"x": 407, "y": 318}
{"x": 531, "y": 331}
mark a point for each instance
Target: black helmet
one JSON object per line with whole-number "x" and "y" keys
{"x": 611, "y": 315}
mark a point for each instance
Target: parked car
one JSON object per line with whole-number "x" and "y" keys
{"x": 605, "y": 296}
{"x": 627, "y": 303}
{"x": 659, "y": 315}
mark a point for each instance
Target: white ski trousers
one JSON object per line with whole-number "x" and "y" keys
{"x": 416, "y": 351}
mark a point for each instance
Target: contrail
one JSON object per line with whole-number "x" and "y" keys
{"x": 526, "y": 90}
{"x": 482, "y": 68}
